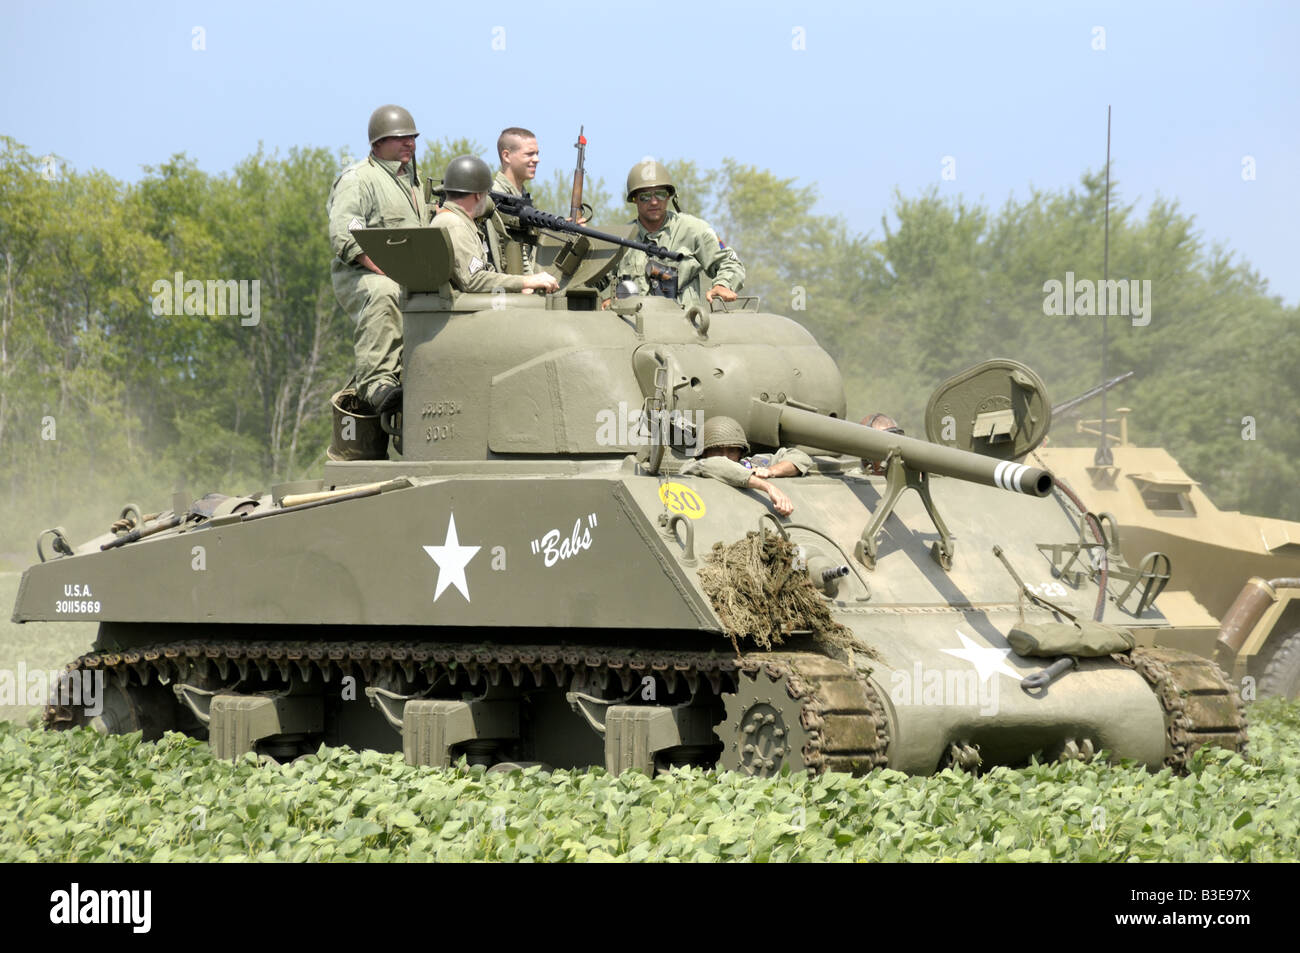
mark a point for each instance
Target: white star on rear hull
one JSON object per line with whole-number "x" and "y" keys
{"x": 452, "y": 558}
{"x": 987, "y": 661}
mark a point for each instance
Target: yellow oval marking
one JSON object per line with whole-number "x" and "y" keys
{"x": 682, "y": 499}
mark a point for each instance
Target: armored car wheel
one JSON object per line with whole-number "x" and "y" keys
{"x": 1281, "y": 676}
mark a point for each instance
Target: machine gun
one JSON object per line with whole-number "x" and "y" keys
{"x": 1064, "y": 408}
{"x": 522, "y": 208}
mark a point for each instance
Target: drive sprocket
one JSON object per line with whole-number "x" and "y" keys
{"x": 763, "y": 728}
{"x": 804, "y": 710}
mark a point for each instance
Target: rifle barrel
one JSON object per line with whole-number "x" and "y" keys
{"x": 575, "y": 196}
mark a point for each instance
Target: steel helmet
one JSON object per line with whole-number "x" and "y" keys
{"x": 390, "y": 121}
{"x": 724, "y": 432}
{"x": 467, "y": 174}
{"x": 649, "y": 174}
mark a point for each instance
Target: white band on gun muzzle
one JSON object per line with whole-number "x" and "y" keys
{"x": 1010, "y": 476}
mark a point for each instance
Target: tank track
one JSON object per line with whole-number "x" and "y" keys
{"x": 832, "y": 712}
{"x": 1199, "y": 704}
{"x": 845, "y": 720}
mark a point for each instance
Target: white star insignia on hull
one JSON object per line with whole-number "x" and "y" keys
{"x": 987, "y": 661}
{"x": 452, "y": 558}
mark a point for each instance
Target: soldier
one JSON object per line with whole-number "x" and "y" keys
{"x": 888, "y": 425}
{"x": 517, "y": 149}
{"x": 650, "y": 188}
{"x": 381, "y": 191}
{"x": 467, "y": 183}
{"x": 724, "y": 444}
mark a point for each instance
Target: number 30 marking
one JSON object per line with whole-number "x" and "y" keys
{"x": 682, "y": 499}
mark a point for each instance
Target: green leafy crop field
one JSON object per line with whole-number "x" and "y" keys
{"x": 77, "y": 796}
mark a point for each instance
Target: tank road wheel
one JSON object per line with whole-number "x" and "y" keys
{"x": 762, "y": 729}
{"x": 126, "y": 706}
{"x": 805, "y": 710}
{"x": 1281, "y": 676}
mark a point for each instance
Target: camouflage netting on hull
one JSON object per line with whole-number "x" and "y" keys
{"x": 760, "y": 595}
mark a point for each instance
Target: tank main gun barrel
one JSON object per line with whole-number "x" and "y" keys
{"x": 528, "y": 214}
{"x": 782, "y": 425}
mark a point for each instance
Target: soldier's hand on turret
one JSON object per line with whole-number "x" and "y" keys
{"x": 783, "y": 469}
{"x": 720, "y": 291}
{"x": 542, "y": 280}
{"x": 780, "y": 502}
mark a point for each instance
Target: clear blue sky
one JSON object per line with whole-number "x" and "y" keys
{"x": 880, "y": 94}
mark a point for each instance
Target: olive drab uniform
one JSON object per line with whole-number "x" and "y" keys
{"x": 708, "y": 262}
{"x": 738, "y": 474}
{"x": 519, "y": 239}
{"x": 372, "y": 194}
{"x": 473, "y": 268}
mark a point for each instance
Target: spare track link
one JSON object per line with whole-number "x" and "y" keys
{"x": 843, "y": 718}
{"x": 1199, "y": 703}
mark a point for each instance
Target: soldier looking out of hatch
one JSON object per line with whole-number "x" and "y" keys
{"x": 474, "y": 259}
{"x": 724, "y": 446}
{"x": 650, "y": 188}
{"x": 879, "y": 422}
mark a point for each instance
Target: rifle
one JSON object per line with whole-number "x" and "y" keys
{"x": 1088, "y": 395}
{"x": 522, "y": 208}
{"x": 579, "y": 171}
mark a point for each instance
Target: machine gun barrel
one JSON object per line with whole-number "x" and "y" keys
{"x": 528, "y": 214}
{"x": 1073, "y": 402}
{"x": 783, "y": 425}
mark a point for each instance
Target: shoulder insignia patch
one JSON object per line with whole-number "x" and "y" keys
{"x": 355, "y": 224}
{"x": 475, "y": 265}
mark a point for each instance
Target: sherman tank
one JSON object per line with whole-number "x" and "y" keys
{"x": 529, "y": 577}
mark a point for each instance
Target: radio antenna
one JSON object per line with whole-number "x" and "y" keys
{"x": 1103, "y": 458}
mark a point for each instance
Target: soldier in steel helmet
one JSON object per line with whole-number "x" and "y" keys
{"x": 383, "y": 190}
{"x": 475, "y": 262}
{"x": 724, "y": 446}
{"x": 710, "y": 270}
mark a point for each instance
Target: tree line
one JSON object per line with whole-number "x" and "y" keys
{"x": 103, "y": 399}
